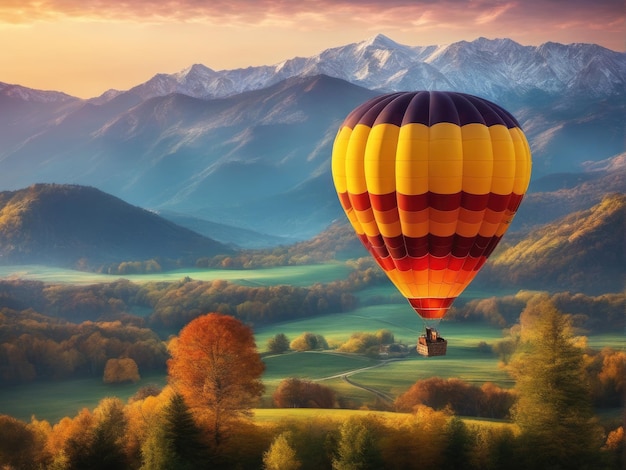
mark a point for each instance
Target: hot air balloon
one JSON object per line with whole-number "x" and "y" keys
{"x": 430, "y": 182}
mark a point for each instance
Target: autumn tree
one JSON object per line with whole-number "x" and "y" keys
{"x": 459, "y": 396}
{"x": 278, "y": 344}
{"x": 298, "y": 393}
{"x": 216, "y": 367}
{"x": 554, "y": 409}
{"x": 309, "y": 342}
{"x": 281, "y": 455}
{"x": 18, "y": 445}
{"x": 363, "y": 342}
{"x": 358, "y": 446}
{"x": 95, "y": 440}
{"x": 120, "y": 371}
{"x": 312, "y": 439}
{"x": 417, "y": 437}
{"x": 607, "y": 372}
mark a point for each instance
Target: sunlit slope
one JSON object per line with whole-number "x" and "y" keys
{"x": 583, "y": 251}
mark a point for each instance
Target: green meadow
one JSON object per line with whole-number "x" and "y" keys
{"x": 463, "y": 360}
{"x": 292, "y": 275}
{"x": 53, "y": 400}
{"x": 382, "y": 308}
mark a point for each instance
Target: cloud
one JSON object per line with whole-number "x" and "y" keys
{"x": 494, "y": 13}
{"x": 259, "y": 11}
{"x": 424, "y": 21}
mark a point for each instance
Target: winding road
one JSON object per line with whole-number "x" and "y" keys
{"x": 346, "y": 377}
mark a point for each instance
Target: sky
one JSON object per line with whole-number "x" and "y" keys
{"x": 85, "y": 47}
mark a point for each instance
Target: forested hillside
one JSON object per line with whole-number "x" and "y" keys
{"x": 581, "y": 252}
{"x": 79, "y": 226}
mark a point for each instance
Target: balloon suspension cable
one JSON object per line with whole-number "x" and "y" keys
{"x": 430, "y": 323}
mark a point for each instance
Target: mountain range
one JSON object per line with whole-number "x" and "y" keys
{"x": 251, "y": 147}
{"x": 494, "y": 69}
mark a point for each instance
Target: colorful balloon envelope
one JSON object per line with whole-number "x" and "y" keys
{"x": 430, "y": 182}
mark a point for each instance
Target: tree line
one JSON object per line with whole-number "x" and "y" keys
{"x": 599, "y": 313}
{"x": 336, "y": 242}
{"x": 36, "y": 347}
{"x": 171, "y": 305}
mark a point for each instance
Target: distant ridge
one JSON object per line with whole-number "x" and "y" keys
{"x": 71, "y": 225}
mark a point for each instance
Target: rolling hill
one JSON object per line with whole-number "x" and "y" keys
{"x": 78, "y": 226}
{"x": 582, "y": 252}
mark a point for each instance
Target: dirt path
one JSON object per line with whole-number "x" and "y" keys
{"x": 345, "y": 376}
{"x": 382, "y": 395}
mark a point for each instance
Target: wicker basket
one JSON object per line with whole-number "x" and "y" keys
{"x": 432, "y": 348}
{"x": 431, "y": 344}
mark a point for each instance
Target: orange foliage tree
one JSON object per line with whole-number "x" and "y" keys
{"x": 215, "y": 365}
{"x": 120, "y": 371}
{"x": 299, "y": 393}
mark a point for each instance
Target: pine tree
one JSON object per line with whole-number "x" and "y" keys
{"x": 101, "y": 445}
{"x": 554, "y": 410}
{"x": 176, "y": 442}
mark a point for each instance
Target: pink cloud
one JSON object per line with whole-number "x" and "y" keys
{"x": 529, "y": 21}
{"x": 253, "y": 11}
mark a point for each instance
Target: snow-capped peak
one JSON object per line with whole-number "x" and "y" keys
{"x": 487, "y": 67}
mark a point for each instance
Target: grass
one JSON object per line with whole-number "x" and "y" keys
{"x": 272, "y": 415}
{"x": 268, "y": 415}
{"x": 292, "y": 275}
{"x": 55, "y": 400}
{"x": 313, "y": 365}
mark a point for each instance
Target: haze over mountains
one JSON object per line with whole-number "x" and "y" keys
{"x": 251, "y": 147}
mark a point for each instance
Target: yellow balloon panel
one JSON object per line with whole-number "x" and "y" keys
{"x": 430, "y": 181}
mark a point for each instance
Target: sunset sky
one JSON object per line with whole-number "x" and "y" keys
{"x": 85, "y": 47}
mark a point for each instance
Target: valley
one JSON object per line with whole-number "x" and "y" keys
{"x": 53, "y": 400}
{"x": 466, "y": 359}
{"x": 126, "y": 218}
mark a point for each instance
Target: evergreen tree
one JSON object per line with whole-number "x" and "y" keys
{"x": 101, "y": 446}
{"x": 177, "y": 442}
{"x": 554, "y": 409}
{"x": 458, "y": 445}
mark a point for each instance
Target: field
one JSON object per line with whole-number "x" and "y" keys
{"x": 267, "y": 416}
{"x": 353, "y": 377}
{"x": 293, "y": 275}
{"x": 54, "y": 400}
